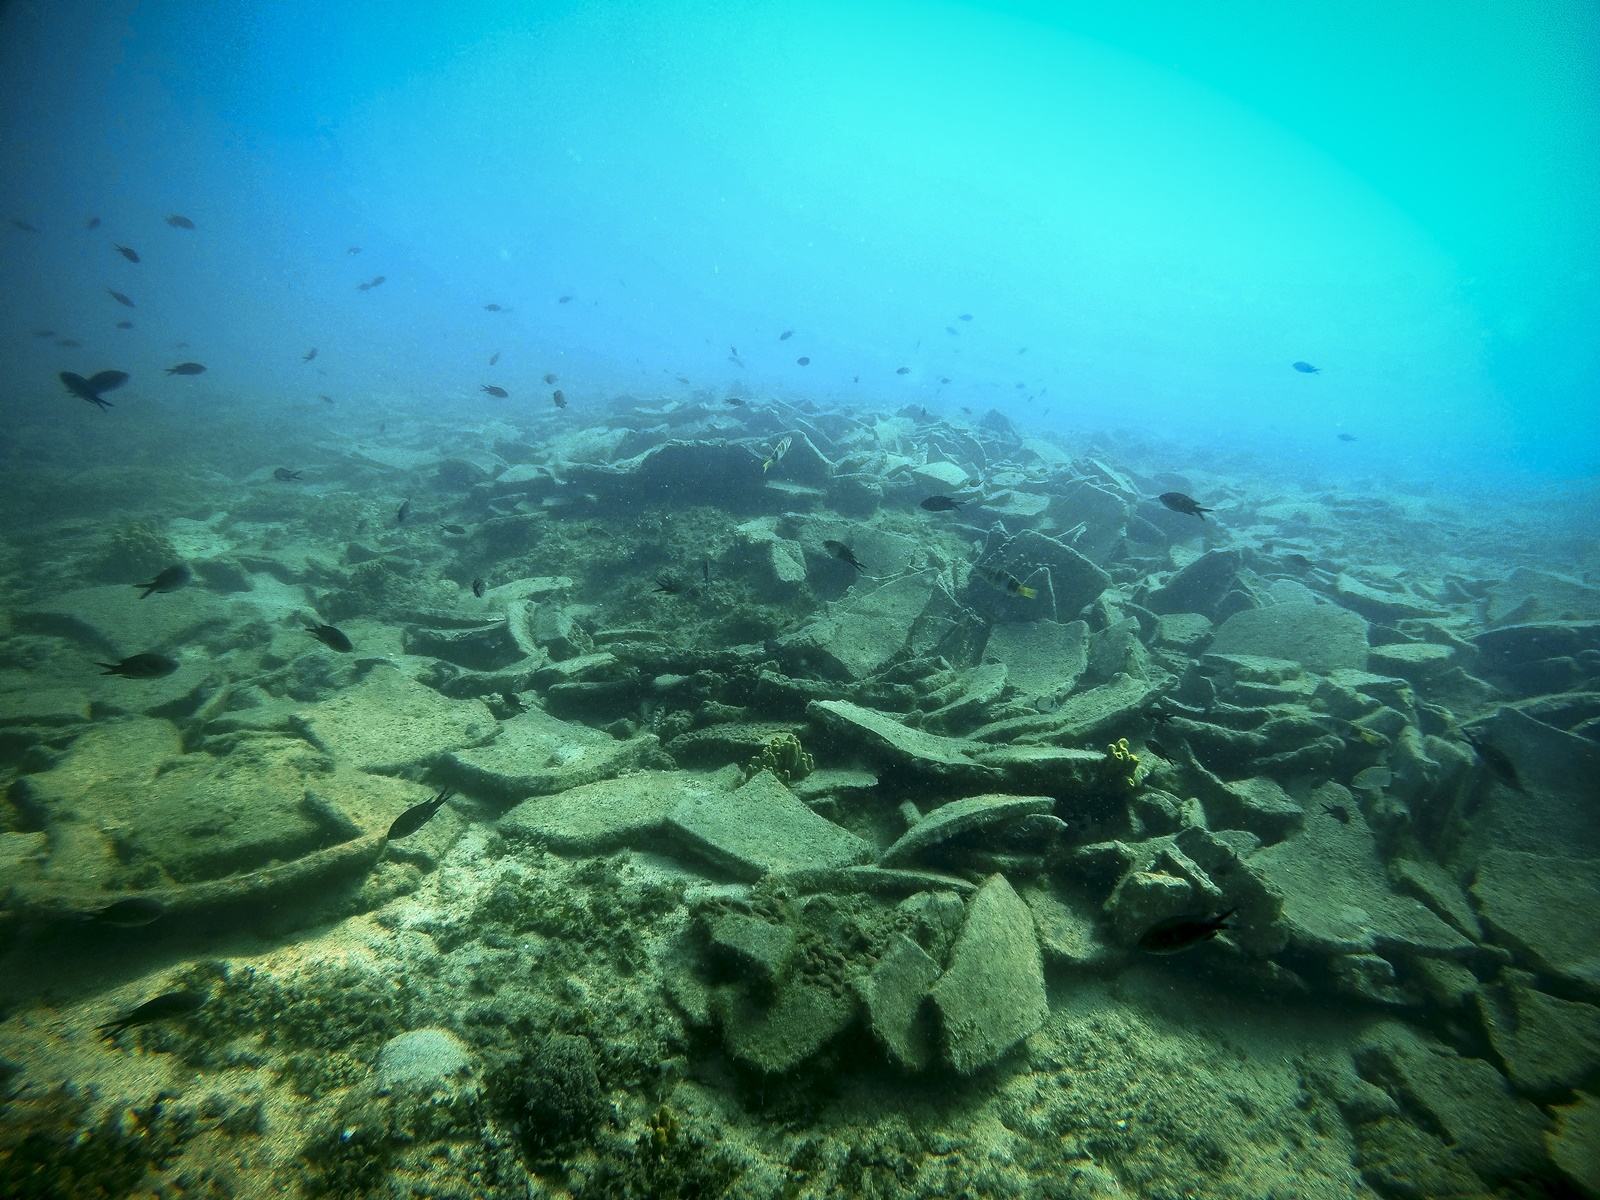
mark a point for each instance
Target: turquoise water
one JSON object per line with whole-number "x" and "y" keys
{"x": 760, "y": 600}
{"x": 1167, "y": 208}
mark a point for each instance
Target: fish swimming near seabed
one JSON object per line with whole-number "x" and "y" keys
{"x": 1179, "y": 503}
{"x": 163, "y": 1007}
{"x": 141, "y": 666}
{"x": 840, "y": 551}
{"x": 1179, "y": 933}
{"x": 418, "y": 815}
{"x": 170, "y": 580}
{"x": 777, "y": 454}
{"x": 1005, "y": 581}
{"x": 330, "y": 637}
{"x": 129, "y": 913}
{"x": 89, "y": 389}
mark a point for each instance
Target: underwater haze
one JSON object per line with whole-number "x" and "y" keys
{"x": 1164, "y": 208}
{"x": 736, "y": 600}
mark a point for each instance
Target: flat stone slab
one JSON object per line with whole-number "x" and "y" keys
{"x": 1321, "y": 636}
{"x": 1415, "y": 662}
{"x": 992, "y": 994}
{"x": 114, "y": 620}
{"x": 1544, "y": 907}
{"x": 1336, "y": 893}
{"x": 893, "y": 994}
{"x": 596, "y": 817}
{"x": 887, "y": 737}
{"x": 762, "y": 827}
{"x": 537, "y": 754}
{"x": 388, "y": 723}
{"x": 1042, "y": 658}
{"x": 959, "y": 817}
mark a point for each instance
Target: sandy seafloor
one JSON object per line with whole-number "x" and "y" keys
{"x": 763, "y": 875}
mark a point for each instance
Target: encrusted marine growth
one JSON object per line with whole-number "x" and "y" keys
{"x": 135, "y": 550}
{"x": 1121, "y": 765}
{"x": 784, "y": 756}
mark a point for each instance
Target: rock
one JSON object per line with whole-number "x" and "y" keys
{"x": 1384, "y": 607}
{"x": 1555, "y": 812}
{"x": 1464, "y": 1100}
{"x": 1199, "y": 587}
{"x": 1574, "y": 1144}
{"x": 958, "y": 819}
{"x": 992, "y": 994}
{"x": 1042, "y": 658}
{"x": 858, "y": 637}
{"x": 1421, "y": 664}
{"x": 1259, "y": 805}
{"x": 115, "y": 621}
{"x": 1069, "y": 933}
{"x": 1549, "y": 1045}
{"x": 1530, "y": 595}
{"x": 127, "y": 808}
{"x": 760, "y": 947}
{"x": 1336, "y": 895}
{"x": 1144, "y": 898}
{"x": 942, "y": 476}
{"x": 761, "y": 827}
{"x": 889, "y": 741}
{"x": 1536, "y": 659}
{"x": 598, "y": 817}
{"x": 894, "y": 995}
{"x": 389, "y": 723}
{"x": 424, "y": 1060}
{"x": 1117, "y": 650}
{"x": 1185, "y": 633}
{"x": 1321, "y": 636}
{"x": 1100, "y": 710}
{"x": 1036, "y": 769}
{"x": 480, "y": 648}
{"x": 555, "y": 630}
{"x": 536, "y": 754}
{"x": 1075, "y": 581}
{"x": 1543, "y": 907}
{"x": 803, "y": 1017}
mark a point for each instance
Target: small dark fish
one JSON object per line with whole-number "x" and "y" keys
{"x": 370, "y": 284}
{"x": 734, "y": 402}
{"x": 940, "y": 504}
{"x": 119, "y": 298}
{"x": 560, "y": 400}
{"x": 455, "y": 530}
{"x": 855, "y": 379}
{"x": 92, "y": 223}
{"x": 309, "y": 355}
{"x": 19, "y": 223}
{"x": 1022, "y": 349}
{"x": 492, "y": 308}
{"x": 44, "y": 333}
{"x": 1498, "y": 762}
{"x": 128, "y": 254}
{"x": 944, "y": 379}
{"x": 952, "y": 331}
{"x": 171, "y": 1004}
{"x": 129, "y": 913}
{"x": 141, "y": 666}
{"x": 1306, "y": 368}
{"x": 1180, "y": 933}
{"x": 479, "y": 588}
{"x": 964, "y": 317}
{"x": 786, "y": 335}
{"x": 404, "y": 512}
{"x": 682, "y": 378}
{"x": 326, "y": 399}
{"x": 550, "y": 378}
{"x": 68, "y": 344}
{"x": 803, "y": 361}
{"x": 840, "y": 550}
{"x": 170, "y": 580}
{"x": 1180, "y": 503}
{"x": 733, "y": 352}
{"x": 415, "y": 817}
{"x": 902, "y": 370}
{"x": 494, "y": 358}
{"x": 124, "y": 324}
{"x": 330, "y": 637}
{"x": 1338, "y": 812}
{"x": 285, "y": 475}
{"x": 1347, "y": 437}
{"x": 179, "y": 222}
{"x": 90, "y": 389}
{"x": 352, "y": 249}
{"x": 667, "y": 585}
{"x": 188, "y": 368}
{"x": 499, "y": 393}
{"x": 564, "y": 300}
